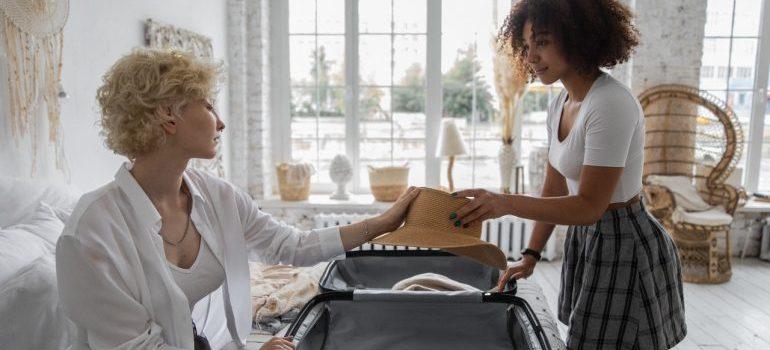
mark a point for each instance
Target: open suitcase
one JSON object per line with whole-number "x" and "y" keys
{"x": 357, "y": 309}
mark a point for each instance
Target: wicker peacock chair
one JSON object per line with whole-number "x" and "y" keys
{"x": 692, "y": 134}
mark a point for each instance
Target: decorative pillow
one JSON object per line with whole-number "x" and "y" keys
{"x": 685, "y": 193}
{"x": 712, "y": 217}
{"x": 22, "y": 196}
{"x": 35, "y": 237}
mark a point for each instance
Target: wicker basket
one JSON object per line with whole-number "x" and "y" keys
{"x": 387, "y": 183}
{"x": 288, "y": 190}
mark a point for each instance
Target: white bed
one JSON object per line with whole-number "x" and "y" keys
{"x": 32, "y": 214}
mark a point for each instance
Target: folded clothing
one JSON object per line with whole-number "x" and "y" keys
{"x": 277, "y": 289}
{"x": 432, "y": 282}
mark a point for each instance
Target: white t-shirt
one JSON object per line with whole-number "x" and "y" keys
{"x": 608, "y": 131}
{"x": 204, "y": 276}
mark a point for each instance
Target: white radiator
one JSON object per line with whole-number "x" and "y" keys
{"x": 509, "y": 233}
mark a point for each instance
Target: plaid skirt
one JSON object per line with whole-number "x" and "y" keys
{"x": 621, "y": 284}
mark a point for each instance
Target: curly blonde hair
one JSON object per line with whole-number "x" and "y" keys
{"x": 139, "y": 83}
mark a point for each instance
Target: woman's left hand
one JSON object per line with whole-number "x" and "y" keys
{"x": 484, "y": 205}
{"x": 392, "y": 219}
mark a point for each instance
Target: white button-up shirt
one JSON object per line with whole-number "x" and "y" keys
{"x": 114, "y": 282}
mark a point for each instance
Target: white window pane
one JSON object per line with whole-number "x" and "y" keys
{"x": 331, "y": 51}
{"x": 302, "y": 59}
{"x": 715, "y": 54}
{"x": 462, "y": 173}
{"x": 718, "y": 18}
{"x": 331, "y": 16}
{"x": 302, "y": 16}
{"x": 374, "y": 106}
{"x": 332, "y": 101}
{"x": 411, "y": 151}
{"x": 375, "y": 149}
{"x": 331, "y": 127}
{"x": 764, "y": 171}
{"x": 304, "y": 150}
{"x": 740, "y": 102}
{"x": 303, "y": 102}
{"x": 329, "y": 148}
{"x": 408, "y": 58}
{"x": 374, "y": 55}
{"x": 488, "y": 174}
{"x": 747, "y": 13}
{"x": 409, "y": 16}
{"x": 409, "y": 99}
{"x": 304, "y": 128}
{"x": 409, "y": 125}
{"x": 742, "y": 61}
{"x": 374, "y": 16}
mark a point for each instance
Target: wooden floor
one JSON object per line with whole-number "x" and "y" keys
{"x": 733, "y": 315}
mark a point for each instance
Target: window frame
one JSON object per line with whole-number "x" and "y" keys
{"x": 280, "y": 123}
{"x": 757, "y": 117}
{"x": 281, "y": 91}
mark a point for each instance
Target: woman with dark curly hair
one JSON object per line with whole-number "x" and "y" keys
{"x": 621, "y": 282}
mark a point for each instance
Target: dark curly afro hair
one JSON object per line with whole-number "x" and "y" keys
{"x": 591, "y": 34}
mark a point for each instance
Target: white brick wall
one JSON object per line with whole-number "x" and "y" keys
{"x": 671, "y": 45}
{"x": 247, "y": 66}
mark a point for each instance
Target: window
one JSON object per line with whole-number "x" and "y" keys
{"x": 392, "y": 44}
{"x": 316, "y": 40}
{"x": 744, "y": 72}
{"x": 707, "y": 71}
{"x": 468, "y": 90}
{"x": 372, "y": 78}
{"x": 731, "y": 43}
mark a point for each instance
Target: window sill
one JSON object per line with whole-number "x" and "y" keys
{"x": 357, "y": 202}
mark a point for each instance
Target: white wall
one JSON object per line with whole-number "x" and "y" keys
{"x": 97, "y": 33}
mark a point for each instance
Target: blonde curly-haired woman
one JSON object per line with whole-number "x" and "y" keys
{"x": 139, "y": 252}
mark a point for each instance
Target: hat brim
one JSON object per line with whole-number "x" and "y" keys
{"x": 459, "y": 244}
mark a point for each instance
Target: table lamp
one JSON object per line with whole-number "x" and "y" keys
{"x": 450, "y": 144}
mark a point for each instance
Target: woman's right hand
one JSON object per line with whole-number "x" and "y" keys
{"x": 519, "y": 269}
{"x": 278, "y": 343}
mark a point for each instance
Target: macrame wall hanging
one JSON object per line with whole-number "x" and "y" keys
{"x": 33, "y": 42}
{"x": 162, "y": 36}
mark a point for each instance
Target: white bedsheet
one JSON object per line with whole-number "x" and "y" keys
{"x": 29, "y": 314}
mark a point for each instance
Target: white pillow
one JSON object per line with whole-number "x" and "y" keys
{"x": 713, "y": 217}
{"x": 44, "y": 223}
{"x": 20, "y": 198}
{"x": 21, "y": 244}
{"x": 685, "y": 193}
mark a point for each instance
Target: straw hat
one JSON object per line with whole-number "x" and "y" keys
{"x": 38, "y": 17}
{"x": 428, "y": 225}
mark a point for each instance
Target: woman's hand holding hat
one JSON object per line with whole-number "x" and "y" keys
{"x": 392, "y": 219}
{"x": 484, "y": 205}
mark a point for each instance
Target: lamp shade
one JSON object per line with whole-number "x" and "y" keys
{"x": 450, "y": 141}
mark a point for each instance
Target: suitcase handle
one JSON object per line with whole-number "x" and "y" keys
{"x": 510, "y": 287}
{"x": 413, "y": 296}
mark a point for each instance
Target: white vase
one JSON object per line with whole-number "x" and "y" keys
{"x": 538, "y": 158}
{"x": 507, "y": 159}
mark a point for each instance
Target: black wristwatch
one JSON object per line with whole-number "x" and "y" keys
{"x": 532, "y": 252}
